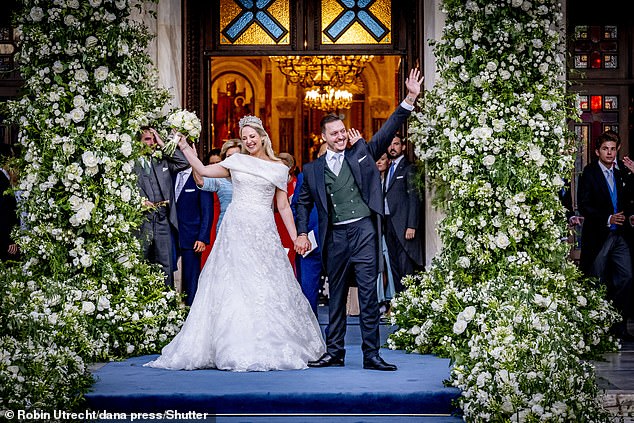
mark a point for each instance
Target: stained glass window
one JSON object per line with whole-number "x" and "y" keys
{"x": 7, "y": 49}
{"x": 596, "y": 47}
{"x": 356, "y": 21}
{"x": 250, "y": 22}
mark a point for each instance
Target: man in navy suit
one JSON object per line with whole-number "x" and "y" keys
{"x": 601, "y": 198}
{"x": 402, "y": 212}
{"x": 195, "y": 210}
{"x": 345, "y": 186}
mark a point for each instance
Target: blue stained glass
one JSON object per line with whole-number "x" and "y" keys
{"x": 348, "y": 3}
{"x": 261, "y": 4}
{"x": 364, "y": 3}
{"x": 240, "y": 25}
{"x": 270, "y": 24}
{"x": 341, "y": 24}
{"x": 248, "y": 4}
{"x": 372, "y": 24}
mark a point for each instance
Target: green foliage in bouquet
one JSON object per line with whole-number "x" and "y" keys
{"x": 501, "y": 299}
{"x": 81, "y": 293}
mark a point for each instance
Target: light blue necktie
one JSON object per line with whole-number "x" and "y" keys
{"x": 390, "y": 174}
{"x": 612, "y": 188}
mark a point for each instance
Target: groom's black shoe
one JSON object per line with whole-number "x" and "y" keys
{"x": 377, "y": 363}
{"x": 327, "y": 360}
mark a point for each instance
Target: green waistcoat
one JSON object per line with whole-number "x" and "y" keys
{"x": 344, "y": 198}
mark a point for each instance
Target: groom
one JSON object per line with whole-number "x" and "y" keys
{"x": 345, "y": 186}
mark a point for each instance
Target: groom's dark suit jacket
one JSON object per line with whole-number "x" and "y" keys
{"x": 361, "y": 158}
{"x": 595, "y": 205}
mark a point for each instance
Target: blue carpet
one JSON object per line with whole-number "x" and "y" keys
{"x": 415, "y": 391}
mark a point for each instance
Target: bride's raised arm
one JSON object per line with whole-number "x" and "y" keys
{"x": 211, "y": 171}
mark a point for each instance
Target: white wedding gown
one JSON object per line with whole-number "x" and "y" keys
{"x": 249, "y": 312}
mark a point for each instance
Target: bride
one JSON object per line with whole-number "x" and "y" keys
{"x": 249, "y": 313}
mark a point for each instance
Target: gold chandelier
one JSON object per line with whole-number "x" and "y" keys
{"x": 330, "y": 100}
{"x": 321, "y": 71}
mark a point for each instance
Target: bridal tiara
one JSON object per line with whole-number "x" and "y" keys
{"x": 250, "y": 120}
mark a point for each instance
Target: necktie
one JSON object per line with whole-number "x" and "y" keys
{"x": 390, "y": 174}
{"x": 609, "y": 175}
{"x": 180, "y": 181}
{"x": 336, "y": 165}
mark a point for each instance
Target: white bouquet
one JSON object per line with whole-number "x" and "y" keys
{"x": 184, "y": 122}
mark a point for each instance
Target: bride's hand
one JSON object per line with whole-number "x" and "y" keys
{"x": 182, "y": 142}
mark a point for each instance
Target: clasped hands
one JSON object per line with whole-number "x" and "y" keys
{"x": 302, "y": 244}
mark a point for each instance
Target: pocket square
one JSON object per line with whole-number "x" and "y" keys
{"x": 400, "y": 177}
{"x": 362, "y": 158}
{"x": 165, "y": 169}
{"x": 190, "y": 190}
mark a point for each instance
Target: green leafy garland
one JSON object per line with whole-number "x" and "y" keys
{"x": 517, "y": 319}
{"x": 82, "y": 293}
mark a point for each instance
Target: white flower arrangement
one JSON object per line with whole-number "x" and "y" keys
{"x": 183, "y": 122}
{"x": 518, "y": 320}
{"x": 72, "y": 299}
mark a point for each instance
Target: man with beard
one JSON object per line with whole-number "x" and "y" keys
{"x": 402, "y": 213}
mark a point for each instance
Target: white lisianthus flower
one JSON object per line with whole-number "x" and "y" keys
{"x": 581, "y": 301}
{"x": 130, "y": 348}
{"x": 86, "y": 260}
{"x": 103, "y": 303}
{"x": 492, "y": 66}
{"x": 101, "y": 73}
{"x": 79, "y": 101}
{"x": 94, "y": 3}
{"x": 464, "y": 262}
{"x": 459, "y": 43}
{"x": 516, "y": 3}
{"x": 91, "y": 41}
{"x": 58, "y": 67}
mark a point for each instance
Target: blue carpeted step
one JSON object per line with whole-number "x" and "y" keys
{"x": 415, "y": 391}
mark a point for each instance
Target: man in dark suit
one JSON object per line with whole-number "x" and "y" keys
{"x": 195, "y": 210}
{"x": 8, "y": 210}
{"x": 601, "y": 198}
{"x": 155, "y": 180}
{"x": 345, "y": 186}
{"x": 402, "y": 210}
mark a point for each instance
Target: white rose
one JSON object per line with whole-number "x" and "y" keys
{"x": 130, "y": 348}
{"x": 91, "y": 41}
{"x": 581, "y": 301}
{"x": 89, "y": 159}
{"x": 77, "y": 115}
{"x": 36, "y": 14}
{"x": 502, "y": 240}
{"x": 103, "y": 304}
{"x": 126, "y": 194}
{"x": 459, "y": 326}
{"x": 94, "y": 3}
{"x": 469, "y": 313}
{"x": 87, "y": 307}
{"x": 81, "y": 75}
{"x": 79, "y": 101}
{"x": 464, "y": 262}
{"x": 459, "y": 43}
{"x": 101, "y": 73}
{"x": 488, "y": 160}
{"x": 126, "y": 149}
{"x": 85, "y": 260}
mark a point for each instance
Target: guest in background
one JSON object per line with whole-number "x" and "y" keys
{"x": 604, "y": 249}
{"x": 155, "y": 172}
{"x": 195, "y": 217}
{"x": 385, "y": 282}
{"x": 212, "y": 157}
{"x": 8, "y": 205}
{"x": 402, "y": 213}
{"x": 308, "y": 269}
{"x": 287, "y": 242}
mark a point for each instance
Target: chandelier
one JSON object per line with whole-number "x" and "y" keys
{"x": 321, "y": 71}
{"x": 330, "y": 100}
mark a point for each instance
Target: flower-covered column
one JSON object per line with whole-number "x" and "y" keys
{"x": 501, "y": 298}
{"x": 82, "y": 294}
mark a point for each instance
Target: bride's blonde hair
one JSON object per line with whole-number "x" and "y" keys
{"x": 255, "y": 123}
